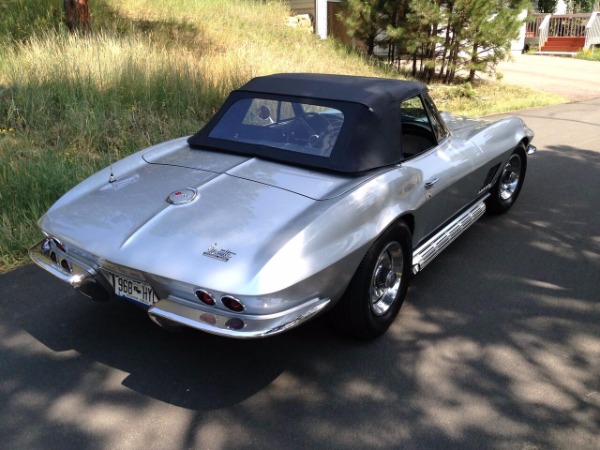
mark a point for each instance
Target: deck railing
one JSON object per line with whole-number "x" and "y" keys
{"x": 543, "y": 30}
{"x": 568, "y": 25}
{"x": 563, "y": 25}
{"x": 533, "y": 24}
{"x": 540, "y": 27}
{"x": 592, "y": 31}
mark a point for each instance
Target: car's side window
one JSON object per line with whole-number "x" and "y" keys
{"x": 438, "y": 124}
{"x": 418, "y": 132}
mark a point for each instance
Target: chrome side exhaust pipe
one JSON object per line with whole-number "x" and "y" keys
{"x": 51, "y": 255}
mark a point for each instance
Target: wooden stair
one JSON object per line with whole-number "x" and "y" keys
{"x": 557, "y": 44}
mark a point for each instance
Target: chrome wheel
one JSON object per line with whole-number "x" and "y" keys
{"x": 377, "y": 289}
{"x": 386, "y": 278}
{"x": 510, "y": 177}
{"x": 506, "y": 189}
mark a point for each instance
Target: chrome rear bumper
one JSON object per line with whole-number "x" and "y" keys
{"x": 178, "y": 311}
{"x": 173, "y": 310}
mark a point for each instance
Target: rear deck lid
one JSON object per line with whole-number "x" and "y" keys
{"x": 314, "y": 184}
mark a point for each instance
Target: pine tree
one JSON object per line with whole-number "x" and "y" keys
{"x": 367, "y": 20}
{"x": 547, "y": 6}
{"x": 427, "y": 17}
{"x": 442, "y": 37}
{"x": 487, "y": 34}
{"x": 580, "y": 6}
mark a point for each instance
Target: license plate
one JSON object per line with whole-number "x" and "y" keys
{"x": 134, "y": 290}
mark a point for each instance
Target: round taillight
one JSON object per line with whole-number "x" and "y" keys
{"x": 232, "y": 303}
{"x": 205, "y": 297}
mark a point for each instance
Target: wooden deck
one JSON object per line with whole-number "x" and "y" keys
{"x": 560, "y": 44}
{"x": 563, "y": 34}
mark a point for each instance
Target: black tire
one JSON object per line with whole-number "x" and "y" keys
{"x": 505, "y": 191}
{"x": 376, "y": 292}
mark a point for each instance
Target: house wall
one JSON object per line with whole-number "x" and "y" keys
{"x": 321, "y": 25}
{"x": 303, "y": 7}
{"x": 518, "y": 45}
{"x": 317, "y": 10}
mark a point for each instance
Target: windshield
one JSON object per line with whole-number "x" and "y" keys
{"x": 306, "y": 128}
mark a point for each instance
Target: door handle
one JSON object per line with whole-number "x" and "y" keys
{"x": 430, "y": 183}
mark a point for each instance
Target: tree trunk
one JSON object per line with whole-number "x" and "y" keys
{"x": 370, "y": 45}
{"x": 474, "y": 60}
{"x": 77, "y": 16}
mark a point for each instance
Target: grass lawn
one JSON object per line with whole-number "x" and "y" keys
{"x": 592, "y": 54}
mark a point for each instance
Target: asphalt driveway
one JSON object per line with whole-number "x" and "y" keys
{"x": 573, "y": 79}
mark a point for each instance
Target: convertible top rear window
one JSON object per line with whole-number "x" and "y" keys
{"x": 328, "y": 122}
{"x": 295, "y": 126}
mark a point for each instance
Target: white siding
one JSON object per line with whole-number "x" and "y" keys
{"x": 303, "y": 6}
{"x": 321, "y": 27}
{"x": 318, "y": 11}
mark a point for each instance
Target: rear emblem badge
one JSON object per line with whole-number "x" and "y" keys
{"x": 182, "y": 196}
{"x": 216, "y": 253}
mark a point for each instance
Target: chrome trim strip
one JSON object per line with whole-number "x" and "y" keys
{"x": 254, "y": 326}
{"x": 427, "y": 252}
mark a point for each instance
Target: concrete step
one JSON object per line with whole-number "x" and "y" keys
{"x": 560, "y": 48}
{"x": 557, "y": 53}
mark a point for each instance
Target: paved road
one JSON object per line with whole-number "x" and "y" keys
{"x": 497, "y": 347}
{"x": 574, "y": 79}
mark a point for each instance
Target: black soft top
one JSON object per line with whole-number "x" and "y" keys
{"x": 374, "y": 93}
{"x": 370, "y": 137}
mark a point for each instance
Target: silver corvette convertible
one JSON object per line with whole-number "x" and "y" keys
{"x": 305, "y": 194}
